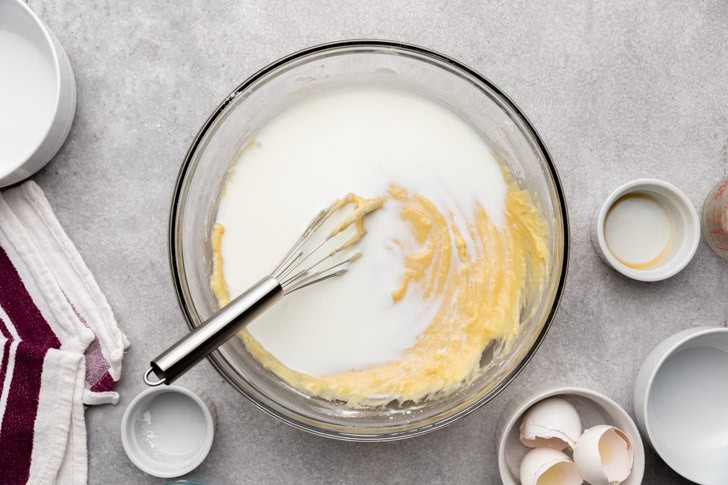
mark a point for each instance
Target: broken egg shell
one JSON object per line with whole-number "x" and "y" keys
{"x": 552, "y": 423}
{"x": 604, "y": 455}
{"x": 546, "y": 466}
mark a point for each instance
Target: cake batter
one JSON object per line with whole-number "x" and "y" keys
{"x": 451, "y": 255}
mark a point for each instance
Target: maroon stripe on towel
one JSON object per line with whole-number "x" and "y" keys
{"x": 4, "y": 363}
{"x": 3, "y": 329}
{"x": 106, "y": 383}
{"x": 36, "y": 337}
{"x": 6, "y": 353}
{"x": 19, "y": 307}
{"x": 97, "y": 367}
{"x": 16, "y": 435}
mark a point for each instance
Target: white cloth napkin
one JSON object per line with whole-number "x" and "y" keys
{"x": 60, "y": 346}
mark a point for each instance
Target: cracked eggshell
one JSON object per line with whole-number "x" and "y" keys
{"x": 604, "y": 455}
{"x": 552, "y": 423}
{"x": 546, "y": 466}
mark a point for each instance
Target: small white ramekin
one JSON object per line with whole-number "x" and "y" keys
{"x": 19, "y": 19}
{"x": 593, "y": 408}
{"x": 140, "y": 431}
{"x": 686, "y": 227}
{"x": 693, "y": 459}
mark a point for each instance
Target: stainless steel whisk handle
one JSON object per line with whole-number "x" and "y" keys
{"x": 199, "y": 343}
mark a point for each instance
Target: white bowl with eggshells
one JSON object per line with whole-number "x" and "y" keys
{"x": 564, "y": 429}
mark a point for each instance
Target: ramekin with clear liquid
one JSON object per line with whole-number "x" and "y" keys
{"x": 331, "y": 66}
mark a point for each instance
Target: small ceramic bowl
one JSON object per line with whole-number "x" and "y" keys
{"x": 37, "y": 93}
{"x": 168, "y": 431}
{"x": 686, "y": 229}
{"x": 680, "y": 401}
{"x": 593, "y": 408}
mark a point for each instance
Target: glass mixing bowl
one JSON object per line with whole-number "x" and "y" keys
{"x": 235, "y": 123}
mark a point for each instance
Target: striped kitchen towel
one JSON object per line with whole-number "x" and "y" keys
{"x": 60, "y": 346}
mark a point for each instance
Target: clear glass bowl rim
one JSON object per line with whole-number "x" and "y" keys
{"x": 383, "y": 45}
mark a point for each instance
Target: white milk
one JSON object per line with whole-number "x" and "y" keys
{"x": 356, "y": 140}
{"x": 638, "y": 230}
{"x": 27, "y": 97}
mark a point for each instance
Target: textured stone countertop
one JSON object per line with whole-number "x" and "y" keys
{"x": 618, "y": 90}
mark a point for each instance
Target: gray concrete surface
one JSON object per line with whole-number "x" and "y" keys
{"x": 618, "y": 90}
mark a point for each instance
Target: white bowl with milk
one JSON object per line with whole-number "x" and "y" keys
{"x": 37, "y": 93}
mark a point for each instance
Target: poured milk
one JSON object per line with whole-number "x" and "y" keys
{"x": 27, "y": 98}
{"x": 638, "y": 230}
{"x": 357, "y": 140}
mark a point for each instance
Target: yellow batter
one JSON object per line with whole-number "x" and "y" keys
{"x": 481, "y": 290}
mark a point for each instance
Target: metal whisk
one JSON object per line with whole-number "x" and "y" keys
{"x": 309, "y": 261}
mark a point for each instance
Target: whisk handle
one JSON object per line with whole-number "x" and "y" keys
{"x": 196, "y": 345}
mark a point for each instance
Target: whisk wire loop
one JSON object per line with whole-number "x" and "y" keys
{"x": 290, "y": 272}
